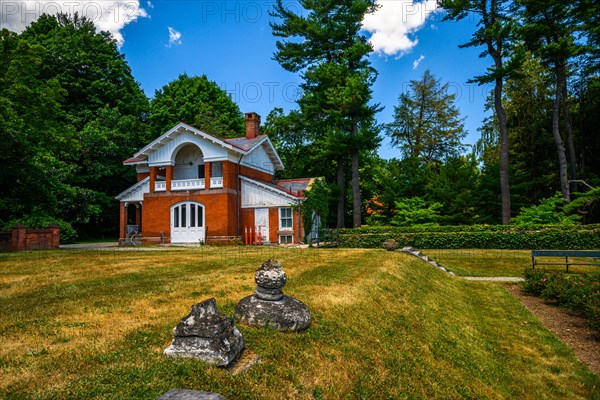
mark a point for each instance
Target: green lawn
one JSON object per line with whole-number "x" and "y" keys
{"x": 83, "y": 325}
{"x": 485, "y": 262}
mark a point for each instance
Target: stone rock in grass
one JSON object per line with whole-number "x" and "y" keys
{"x": 268, "y": 306}
{"x": 208, "y": 335}
{"x": 390, "y": 245}
{"x": 186, "y": 394}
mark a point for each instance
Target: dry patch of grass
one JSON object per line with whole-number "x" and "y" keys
{"x": 94, "y": 324}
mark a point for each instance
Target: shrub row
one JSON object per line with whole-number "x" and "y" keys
{"x": 546, "y": 238}
{"x": 466, "y": 228}
{"x": 579, "y": 292}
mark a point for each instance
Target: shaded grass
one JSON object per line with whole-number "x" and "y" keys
{"x": 93, "y": 325}
{"x": 484, "y": 262}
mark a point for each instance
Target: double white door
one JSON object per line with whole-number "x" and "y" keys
{"x": 187, "y": 223}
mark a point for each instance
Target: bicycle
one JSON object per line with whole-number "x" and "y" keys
{"x": 134, "y": 236}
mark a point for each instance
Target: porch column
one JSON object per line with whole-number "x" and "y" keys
{"x": 138, "y": 215}
{"x": 169, "y": 177}
{"x": 123, "y": 222}
{"x": 229, "y": 174}
{"x": 153, "y": 171}
{"x": 207, "y": 174}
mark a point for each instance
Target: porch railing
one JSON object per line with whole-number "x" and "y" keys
{"x": 188, "y": 184}
{"x": 216, "y": 182}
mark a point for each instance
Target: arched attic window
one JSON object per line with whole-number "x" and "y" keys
{"x": 189, "y": 163}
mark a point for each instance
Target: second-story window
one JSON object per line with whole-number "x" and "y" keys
{"x": 217, "y": 169}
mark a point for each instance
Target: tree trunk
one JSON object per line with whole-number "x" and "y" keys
{"x": 356, "y": 209}
{"x": 569, "y": 132}
{"x": 342, "y": 194}
{"x": 560, "y": 148}
{"x": 356, "y": 204}
{"x": 504, "y": 181}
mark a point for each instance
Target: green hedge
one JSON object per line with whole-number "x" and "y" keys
{"x": 474, "y": 237}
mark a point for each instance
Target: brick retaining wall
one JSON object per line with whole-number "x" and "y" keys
{"x": 21, "y": 239}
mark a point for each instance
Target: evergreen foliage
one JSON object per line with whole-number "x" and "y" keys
{"x": 325, "y": 45}
{"x": 427, "y": 124}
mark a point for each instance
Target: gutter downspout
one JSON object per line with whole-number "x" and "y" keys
{"x": 239, "y": 199}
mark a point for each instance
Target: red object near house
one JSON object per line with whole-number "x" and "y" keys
{"x": 196, "y": 188}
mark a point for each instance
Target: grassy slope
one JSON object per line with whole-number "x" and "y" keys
{"x": 484, "y": 262}
{"x": 386, "y": 326}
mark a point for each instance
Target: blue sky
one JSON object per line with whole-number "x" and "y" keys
{"x": 231, "y": 42}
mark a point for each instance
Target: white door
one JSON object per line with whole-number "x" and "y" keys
{"x": 261, "y": 220}
{"x": 187, "y": 223}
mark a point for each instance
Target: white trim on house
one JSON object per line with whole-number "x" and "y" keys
{"x": 167, "y": 136}
{"x": 291, "y": 218}
{"x": 161, "y": 150}
{"x": 256, "y": 194}
{"x": 136, "y": 192}
{"x": 258, "y": 158}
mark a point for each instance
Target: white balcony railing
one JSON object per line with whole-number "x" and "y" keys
{"x": 160, "y": 186}
{"x": 187, "y": 184}
{"x": 216, "y": 182}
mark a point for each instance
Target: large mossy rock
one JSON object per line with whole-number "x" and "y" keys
{"x": 208, "y": 335}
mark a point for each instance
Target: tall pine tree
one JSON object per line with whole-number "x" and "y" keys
{"x": 326, "y": 47}
{"x": 495, "y": 31}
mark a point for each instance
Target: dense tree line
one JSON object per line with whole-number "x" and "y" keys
{"x": 71, "y": 112}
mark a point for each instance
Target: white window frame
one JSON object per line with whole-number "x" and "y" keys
{"x": 290, "y": 235}
{"x": 290, "y": 218}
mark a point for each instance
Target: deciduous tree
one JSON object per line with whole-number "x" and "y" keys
{"x": 199, "y": 102}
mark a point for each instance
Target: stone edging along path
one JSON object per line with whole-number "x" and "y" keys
{"x": 421, "y": 256}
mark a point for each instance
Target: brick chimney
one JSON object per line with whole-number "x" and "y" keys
{"x": 252, "y": 125}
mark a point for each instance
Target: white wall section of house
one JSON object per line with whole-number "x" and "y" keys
{"x": 259, "y": 159}
{"x": 255, "y": 195}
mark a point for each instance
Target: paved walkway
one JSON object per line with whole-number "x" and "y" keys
{"x": 114, "y": 246}
{"x": 493, "y": 278}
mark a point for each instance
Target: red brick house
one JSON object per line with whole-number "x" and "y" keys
{"x": 193, "y": 187}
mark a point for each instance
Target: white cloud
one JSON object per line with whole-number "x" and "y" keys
{"x": 111, "y": 16}
{"x": 149, "y": 4}
{"x": 394, "y": 24}
{"x": 418, "y": 61}
{"x": 174, "y": 37}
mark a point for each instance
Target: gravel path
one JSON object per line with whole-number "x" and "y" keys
{"x": 493, "y": 278}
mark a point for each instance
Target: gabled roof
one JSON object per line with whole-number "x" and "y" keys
{"x": 244, "y": 143}
{"x": 239, "y": 145}
{"x": 133, "y": 189}
{"x": 295, "y": 187}
{"x": 274, "y": 188}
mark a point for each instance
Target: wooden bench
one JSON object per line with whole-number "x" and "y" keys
{"x": 566, "y": 254}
